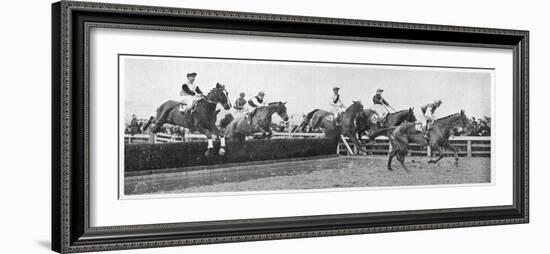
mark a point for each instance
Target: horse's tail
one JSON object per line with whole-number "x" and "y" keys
{"x": 307, "y": 118}
{"x": 226, "y": 120}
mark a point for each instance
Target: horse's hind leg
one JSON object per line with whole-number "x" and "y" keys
{"x": 401, "y": 159}
{"x": 390, "y": 158}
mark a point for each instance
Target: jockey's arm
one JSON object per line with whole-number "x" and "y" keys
{"x": 198, "y": 91}
{"x": 385, "y": 102}
{"x": 251, "y": 103}
{"x": 186, "y": 91}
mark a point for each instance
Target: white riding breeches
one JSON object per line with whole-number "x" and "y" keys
{"x": 187, "y": 100}
{"x": 336, "y": 110}
{"x": 379, "y": 109}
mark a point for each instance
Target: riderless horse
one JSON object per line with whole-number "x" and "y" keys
{"x": 366, "y": 123}
{"x": 201, "y": 119}
{"x": 258, "y": 120}
{"x": 344, "y": 125}
{"x": 407, "y": 133}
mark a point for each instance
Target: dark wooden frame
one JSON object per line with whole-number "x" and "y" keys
{"x": 70, "y": 224}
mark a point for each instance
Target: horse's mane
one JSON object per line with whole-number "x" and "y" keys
{"x": 212, "y": 90}
{"x": 447, "y": 117}
{"x": 352, "y": 107}
{"x": 399, "y": 112}
{"x": 273, "y": 103}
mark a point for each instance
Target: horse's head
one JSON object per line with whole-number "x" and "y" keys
{"x": 356, "y": 107}
{"x": 463, "y": 119}
{"x": 219, "y": 95}
{"x": 411, "y": 118}
{"x": 281, "y": 110}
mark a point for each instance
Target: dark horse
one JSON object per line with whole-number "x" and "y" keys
{"x": 365, "y": 121}
{"x": 406, "y": 133}
{"x": 240, "y": 127}
{"x": 344, "y": 125}
{"x": 203, "y": 119}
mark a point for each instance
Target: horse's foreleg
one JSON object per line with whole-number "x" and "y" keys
{"x": 441, "y": 155}
{"x": 208, "y": 137}
{"x": 356, "y": 143}
{"x": 455, "y": 151}
{"x": 264, "y": 132}
{"x": 222, "y": 143}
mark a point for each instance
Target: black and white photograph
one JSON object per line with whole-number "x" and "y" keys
{"x": 207, "y": 125}
{"x": 274, "y": 127}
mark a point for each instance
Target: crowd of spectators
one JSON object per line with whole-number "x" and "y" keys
{"x": 475, "y": 127}
{"x": 138, "y": 126}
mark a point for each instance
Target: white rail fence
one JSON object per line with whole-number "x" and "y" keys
{"x": 168, "y": 138}
{"x": 466, "y": 145}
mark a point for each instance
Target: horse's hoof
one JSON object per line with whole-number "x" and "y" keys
{"x": 390, "y": 169}
{"x": 431, "y": 161}
{"x": 207, "y": 153}
{"x": 221, "y": 152}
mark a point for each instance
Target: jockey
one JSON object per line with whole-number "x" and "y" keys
{"x": 337, "y": 107}
{"x": 254, "y": 103}
{"x": 134, "y": 121}
{"x": 239, "y": 105}
{"x": 190, "y": 92}
{"x": 380, "y": 105}
{"x": 428, "y": 110}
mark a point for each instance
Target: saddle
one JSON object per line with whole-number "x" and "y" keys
{"x": 193, "y": 106}
{"x": 379, "y": 120}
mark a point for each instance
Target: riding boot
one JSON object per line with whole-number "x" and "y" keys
{"x": 182, "y": 108}
{"x": 427, "y": 132}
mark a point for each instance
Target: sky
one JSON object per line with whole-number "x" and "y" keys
{"x": 149, "y": 81}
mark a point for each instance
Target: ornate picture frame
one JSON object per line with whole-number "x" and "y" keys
{"x": 71, "y": 229}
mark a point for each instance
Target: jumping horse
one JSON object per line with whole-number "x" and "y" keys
{"x": 334, "y": 126}
{"x": 201, "y": 119}
{"x": 258, "y": 120}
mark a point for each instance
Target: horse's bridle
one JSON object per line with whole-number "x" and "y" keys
{"x": 205, "y": 97}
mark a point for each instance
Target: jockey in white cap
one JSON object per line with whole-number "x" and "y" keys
{"x": 380, "y": 106}
{"x": 428, "y": 110}
{"x": 336, "y": 104}
{"x": 253, "y": 104}
{"x": 190, "y": 92}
